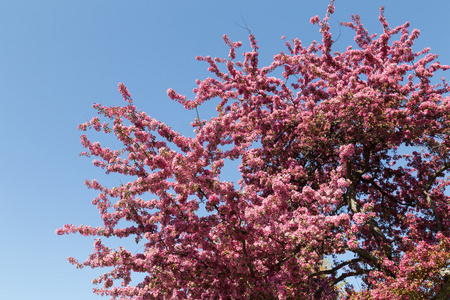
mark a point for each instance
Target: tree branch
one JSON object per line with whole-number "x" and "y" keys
{"x": 341, "y": 265}
{"x": 430, "y": 201}
{"x": 444, "y": 292}
{"x": 350, "y": 274}
{"x": 355, "y": 208}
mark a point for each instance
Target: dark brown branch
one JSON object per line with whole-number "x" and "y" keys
{"x": 350, "y": 274}
{"x": 367, "y": 256}
{"x": 249, "y": 264}
{"x": 370, "y": 258}
{"x": 355, "y": 208}
{"x": 341, "y": 265}
{"x": 430, "y": 201}
{"x": 444, "y": 292}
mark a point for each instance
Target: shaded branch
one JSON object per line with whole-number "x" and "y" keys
{"x": 350, "y": 274}
{"x": 444, "y": 292}
{"x": 344, "y": 275}
{"x": 430, "y": 201}
{"x": 373, "y": 225}
{"x": 341, "y": 265}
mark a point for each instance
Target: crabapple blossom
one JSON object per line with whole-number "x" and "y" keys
{"x": 344, "y": 160}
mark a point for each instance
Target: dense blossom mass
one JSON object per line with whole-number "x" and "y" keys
{"x": 343, "y": 174}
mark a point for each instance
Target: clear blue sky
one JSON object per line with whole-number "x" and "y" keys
{"x": 58, "y": 57}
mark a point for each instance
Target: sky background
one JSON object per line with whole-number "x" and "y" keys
{"x": 59, "y": 57}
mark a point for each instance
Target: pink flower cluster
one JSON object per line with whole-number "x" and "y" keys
{"x": 347, "y": 153}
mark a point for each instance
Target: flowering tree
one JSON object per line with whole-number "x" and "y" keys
{"x": 344, "y": 159}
